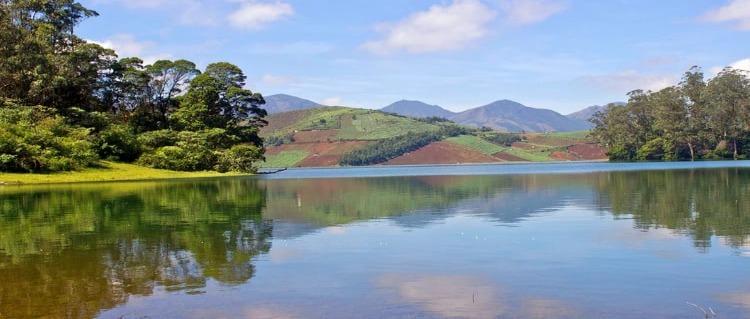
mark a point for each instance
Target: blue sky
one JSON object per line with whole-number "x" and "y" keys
{"x": 562, "y": 55}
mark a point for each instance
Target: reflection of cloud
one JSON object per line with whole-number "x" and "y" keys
{"x": 282, "y": 254}
{"x": 263, "y": 313}
{"x": 545, "y": 308}
{"x": 450, "y": 296}
{"x": 741, "y": 299}
{"x": 335, "y": 230}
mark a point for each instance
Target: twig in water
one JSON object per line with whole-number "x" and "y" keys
{"x": 712, "y": 315}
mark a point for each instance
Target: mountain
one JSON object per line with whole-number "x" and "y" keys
{"x": 586, "y": 113}
{"x": 416, "y": 109}
{"x": 278, "y": 103}
{"x": 510, "y": 116}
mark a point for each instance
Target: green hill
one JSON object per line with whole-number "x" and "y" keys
{"x": 323, "y": 136}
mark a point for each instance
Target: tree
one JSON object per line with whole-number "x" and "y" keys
{"x": 728, "y": 102}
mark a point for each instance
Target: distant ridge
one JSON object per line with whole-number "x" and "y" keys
{"x": 279, "y": 103}
{"x": 416, "y": 109}
{"x": 586, "y": 113}
{"x": 511, "y": 116}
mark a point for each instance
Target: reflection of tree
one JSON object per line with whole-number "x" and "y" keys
{"x": 70, "y": 251}
{"x": 701, "y": 203}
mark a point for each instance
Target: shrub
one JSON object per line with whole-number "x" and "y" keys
{"x": 240, "y": 158}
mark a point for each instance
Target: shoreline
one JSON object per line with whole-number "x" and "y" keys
{"x": 107, "y": 172}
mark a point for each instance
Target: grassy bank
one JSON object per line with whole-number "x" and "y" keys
{"x": 107, "y": 171}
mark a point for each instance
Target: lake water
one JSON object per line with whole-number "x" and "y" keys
{"x": 574, "y": 240}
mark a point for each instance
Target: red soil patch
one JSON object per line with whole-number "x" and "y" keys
{"x": 509, "y": 157}
{"x": 321, "y": 154}
{"x": 589, "y": 152}
{"x": 562, "y": 156}
{"x": 442, "y": 153}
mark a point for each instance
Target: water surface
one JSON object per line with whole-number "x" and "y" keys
{"x": 581, "y": 240}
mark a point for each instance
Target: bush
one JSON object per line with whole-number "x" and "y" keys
{"x": 35, "y": 139}
{"x": 240, "y": 158}
{"x": 118, "y": 142}
{"x": 653, "y": 150}
{"x": 177, "y": 158}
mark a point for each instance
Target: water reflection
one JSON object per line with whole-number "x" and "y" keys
{"x": 76, "y": 250}
{"x": 70, "y": 251}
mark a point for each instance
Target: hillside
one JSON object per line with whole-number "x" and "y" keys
{"x": 322, "y": 136}
{"x": 510, "y": 116}
{"x": 587, "y": 113}
{"x": 278, "y": 103}
{"x": 416, "y": 109}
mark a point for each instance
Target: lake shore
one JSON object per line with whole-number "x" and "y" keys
{"x": 106, "y": 172}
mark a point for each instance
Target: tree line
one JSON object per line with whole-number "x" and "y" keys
{"x": 66, "y": 103}
{"x": 390, "y": 148}
{"x": 696, "y": 119}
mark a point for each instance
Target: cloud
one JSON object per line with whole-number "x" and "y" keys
{"x": 331, "y": 101}
{"x": 440, "y": 28}
{"x": 522, "y": 12}
{"x": 632, "y": 80}
{"x": 737, "y": 11}
{"x": 126, "y": 45}
{"x": 277, "y": 79}
{"x": 255, "y": 15}
{"x": 743, "y": 65}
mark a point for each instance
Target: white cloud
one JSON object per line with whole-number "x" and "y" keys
{"x": 441, "y": 27}
{"x": 737, "y": 11}
{"x": 277, "y": 79}
{"x": 332, "y": 101}
{"x": 632, "y": 80}
{"x": 521, "y": 12}
{"x": 126, "y": 45}
{"x": 743, "y": 65}
{"x": 255, "y": 15}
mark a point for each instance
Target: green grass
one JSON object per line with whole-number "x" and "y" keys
{"x": 372, "y": 125}
{"x": 477, "y": 144}
{"x": 108, "y": 171}
{"x": 578, "y": 135}
{"x": 529, "y": 156}
{"x": 284, "y": 159}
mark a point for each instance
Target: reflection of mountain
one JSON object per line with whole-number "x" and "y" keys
{"x": 418, "y": 201}
{"x": 71, "y": 251}
{"x": 700, "y": 203}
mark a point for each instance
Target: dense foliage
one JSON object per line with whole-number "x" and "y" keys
{"x": 65, "y": 103}
{"x": 390, "y": 148}
{"x": 505, "y": 139}
{"x": 696, "y": 119}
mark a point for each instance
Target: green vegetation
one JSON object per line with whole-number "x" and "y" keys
{"x": 104, "y": 171}
{"x": 66, "y": 103}
{"x": 505, "y": 139}
{"x": 285, "y": 159}
{"x": 578, "y": 135}
{"x": 539, "y": 156}
{"x": 390, "y": 148}
{"x": 696, "y": 119}
{"x": 476, "y": 143}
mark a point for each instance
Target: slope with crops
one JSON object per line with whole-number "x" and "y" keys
{"x": 332, "y": 136}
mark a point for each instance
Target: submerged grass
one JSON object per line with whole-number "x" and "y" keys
{"x": 106, "y": 171}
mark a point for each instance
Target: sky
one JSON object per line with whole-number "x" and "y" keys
{"x": 562, "y": 55}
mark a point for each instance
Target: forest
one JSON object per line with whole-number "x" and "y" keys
{"x": 66, "y": 103}
{"x": 697, "y": 119}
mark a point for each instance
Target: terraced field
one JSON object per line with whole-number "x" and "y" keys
{"x": 320, "y": 136}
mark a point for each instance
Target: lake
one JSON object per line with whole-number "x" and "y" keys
{"x": 569, "y": 240}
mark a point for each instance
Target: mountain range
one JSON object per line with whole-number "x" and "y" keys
{"x": 501, "y": 115}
